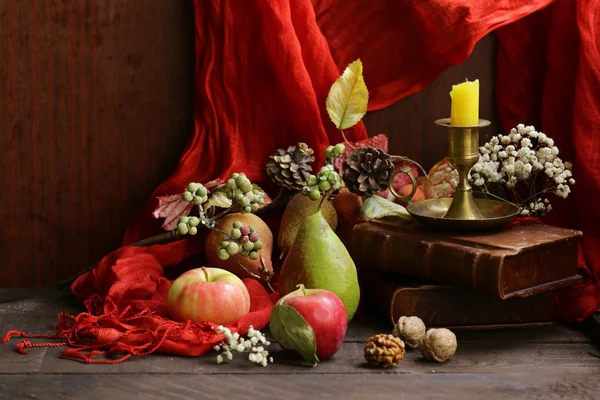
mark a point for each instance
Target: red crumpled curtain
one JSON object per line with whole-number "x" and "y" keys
{"x": 549, "y": 76}
{"x": 264, "y": 69}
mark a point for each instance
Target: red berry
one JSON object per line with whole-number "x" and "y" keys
{"x": 254, "y": 237}
{"x": 244, "y": 239}
{"x": 245, "y": 230}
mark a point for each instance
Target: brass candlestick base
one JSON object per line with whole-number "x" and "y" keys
{"x": 463, "y": 153}
{"x": 463, "y": 212}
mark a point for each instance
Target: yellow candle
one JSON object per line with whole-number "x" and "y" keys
{"x": 465, "y": 104}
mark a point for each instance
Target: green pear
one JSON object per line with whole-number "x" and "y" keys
{"x": 319, "y": 260}
{"x": 297, "y": 210}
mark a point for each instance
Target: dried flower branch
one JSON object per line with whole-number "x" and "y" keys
{"x": 255, "y": 345}
{"x": 524, "y": 158}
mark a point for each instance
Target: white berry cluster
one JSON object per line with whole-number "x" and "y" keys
{"x": 252, "y": 344}
{"x": 522, "y": 156}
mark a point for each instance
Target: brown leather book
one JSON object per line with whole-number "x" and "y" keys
{"x": 519, "y": 261}
{"x": 447, "y": 306}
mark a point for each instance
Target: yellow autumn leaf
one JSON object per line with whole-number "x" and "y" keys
{"x": 348, "y": 97}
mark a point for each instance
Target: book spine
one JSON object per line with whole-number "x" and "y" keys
{"x": 448, "y": 263}
{"x": 449, "y": 307}
{"x": 531, "y": 271}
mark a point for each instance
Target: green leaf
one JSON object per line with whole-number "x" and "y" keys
{"x": 218, "y": 198}
{"x": 293, "y": 332}
{"x": 256, "y": 187}
{"x": 348, "y": 97}
{"x": 376, "y": 207}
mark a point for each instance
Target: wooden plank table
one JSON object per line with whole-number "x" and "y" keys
{"x": 544, "y": 363}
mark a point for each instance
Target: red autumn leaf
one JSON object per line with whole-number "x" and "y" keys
{"x": 212, "y": 185}
{"x": 265, "y": 196}
{"x": 377, "y": 141}
{"x": 171, "y": 207}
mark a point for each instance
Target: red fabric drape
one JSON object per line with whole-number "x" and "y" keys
{"x": 263, "y": 71}
{"x": 549, "y": 76}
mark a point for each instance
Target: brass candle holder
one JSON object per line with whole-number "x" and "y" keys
{"x": 463, "y": 211}
{"x": 463, "y": 153}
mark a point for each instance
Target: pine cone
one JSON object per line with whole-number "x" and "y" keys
{"x": 367, "y": 171}
{"x": 291, "y": 168}
{"x": 384, "y": 350}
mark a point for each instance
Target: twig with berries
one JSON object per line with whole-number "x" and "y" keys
{"x": 244, "y": 198}
{"x": 327, "y": 181}
{"x": 243, "y": 240}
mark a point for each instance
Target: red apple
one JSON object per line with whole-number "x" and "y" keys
{"x": 208, "y": 294}
{"x": 324, "y": 312}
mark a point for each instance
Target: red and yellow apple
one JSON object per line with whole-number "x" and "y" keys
{"x": 208, "y": 294}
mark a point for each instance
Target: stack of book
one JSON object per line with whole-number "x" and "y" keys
{"x": 472, "y": 280}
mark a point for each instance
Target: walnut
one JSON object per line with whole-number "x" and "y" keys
{"x": 410, "y": 329}
{"x": 384, "y": 350}
{"x": 438, "y": 344}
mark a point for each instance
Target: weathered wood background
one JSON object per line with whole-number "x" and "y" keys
{"x": 96, "y": 105}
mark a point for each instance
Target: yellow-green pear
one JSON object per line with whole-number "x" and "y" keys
{"x": 297, "y": 210}
{"x": 319, "y": 260}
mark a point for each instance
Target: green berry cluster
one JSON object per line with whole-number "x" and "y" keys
{"x": 326, "y": 180}
{"x": 195, "y": 193}
{"x": 334, "y": 151}
{"x": 239, "y": 181}
{"x": 188, "y": 225}
{"x": 242, "y": 191}
{"x": 242, "y": 240}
